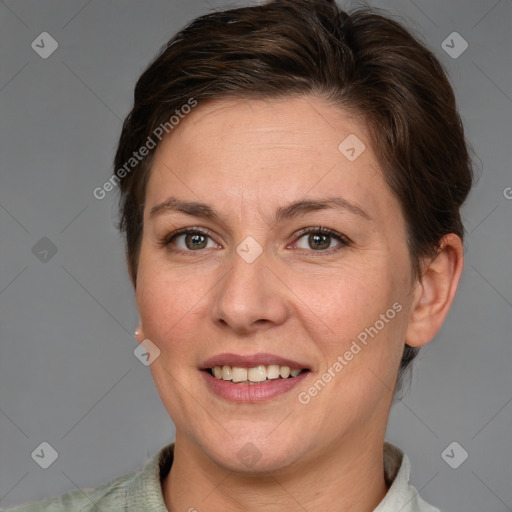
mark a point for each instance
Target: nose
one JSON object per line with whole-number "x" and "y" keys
{"x": 250, "y": 296}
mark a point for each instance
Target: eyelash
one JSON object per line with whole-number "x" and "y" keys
{"x": 344, "y": 241}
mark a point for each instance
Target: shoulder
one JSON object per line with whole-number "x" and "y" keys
{"x": 140, "y": 490}
{"x": 105, "y": 498}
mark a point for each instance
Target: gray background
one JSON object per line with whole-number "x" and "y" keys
{"x": 68, "y": 375}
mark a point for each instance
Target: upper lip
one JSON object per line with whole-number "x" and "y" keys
{"x": 250, "y": 361}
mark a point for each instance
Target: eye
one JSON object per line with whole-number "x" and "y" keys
{"x": 320, "y": 240}
{"x": 188, "y": 240}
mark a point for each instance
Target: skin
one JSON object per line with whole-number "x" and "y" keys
{"x": 246, "y": 159}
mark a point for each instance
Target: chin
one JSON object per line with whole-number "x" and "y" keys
{"x": 253, "y": 454}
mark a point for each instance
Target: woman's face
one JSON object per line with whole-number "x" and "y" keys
{"x": 259, "y": 285}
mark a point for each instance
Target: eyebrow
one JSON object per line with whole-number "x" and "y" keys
{"x": 301, "y": 207}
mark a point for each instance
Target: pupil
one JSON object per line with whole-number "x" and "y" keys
{"x": 195, "y": 240}
{"x": 318, "y": 239}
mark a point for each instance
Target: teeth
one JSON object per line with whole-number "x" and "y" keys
{"x": 239, "y": 374}
{"x": 273, "y": 371}
{"x": 258, "y": 373}
{"x": 226, "y": 373}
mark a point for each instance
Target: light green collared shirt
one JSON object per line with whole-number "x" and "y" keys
{"x": 142, "y": 491}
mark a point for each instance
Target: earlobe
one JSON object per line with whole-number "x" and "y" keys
{"x": 139, "y": 334}
{"x": 435, "y": 291}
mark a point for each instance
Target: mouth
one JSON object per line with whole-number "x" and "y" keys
{"x": 254, "y": 375}
{"x": 253, "y": 378}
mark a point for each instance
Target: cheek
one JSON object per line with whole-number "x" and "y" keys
{"x": 358, "y": 314}
{"x": 348, "y": 297}
{"x": 157, "y": 297}
{"x": 169, "y": 302}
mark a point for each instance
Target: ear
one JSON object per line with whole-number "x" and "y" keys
{"x": 435, "y": 291}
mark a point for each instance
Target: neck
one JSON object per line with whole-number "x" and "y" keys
{"x": 346, "y": 477}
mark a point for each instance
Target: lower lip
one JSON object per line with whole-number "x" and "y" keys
{"x": 251, "y": 393}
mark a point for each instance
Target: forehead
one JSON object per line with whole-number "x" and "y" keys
{"x": 268, "y": 151}
{"x": 295, "y": 127}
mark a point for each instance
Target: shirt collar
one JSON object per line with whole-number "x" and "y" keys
{"x": 401, "y": 496}
{"x": 144, "y": 490}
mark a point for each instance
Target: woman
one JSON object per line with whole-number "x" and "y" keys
{"x": 291, "y": 178}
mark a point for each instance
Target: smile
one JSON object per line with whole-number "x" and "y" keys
{"x": 252, "y": 378}
{"x": 255, "y": 374}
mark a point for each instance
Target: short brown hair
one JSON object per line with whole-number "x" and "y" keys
{"x": 362, "y": 61}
